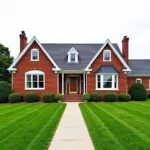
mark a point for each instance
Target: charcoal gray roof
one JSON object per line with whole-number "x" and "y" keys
{"x": 106, "y": 69}
{"x": 139, "y": 66}
{"x": 86, "y": 52}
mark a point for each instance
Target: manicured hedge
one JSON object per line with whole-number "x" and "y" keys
{"x": 124, "y": 97}
{"x": 59, "y": 97}
{"x": 138, "y": 92}
{"x": 86, "y": 97}
{"x": 5, "y": 91}
{"x": 110, "y": 97}
{"x": 49, "y": 98}
{"x": 32, "y": 97}
{"x": 15, "y": 98}
{"x": 94, "y": 96}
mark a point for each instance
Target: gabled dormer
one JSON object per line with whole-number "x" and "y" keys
{"x": 73, "y": 55}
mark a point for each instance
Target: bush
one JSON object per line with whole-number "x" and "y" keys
{"x": 32, "y": 97}
{"x": 59, "y": 97}
{"x": 138, "y": 92}
{"x": 94, "y": 96}
{"x": 5, "y": 91}
{"x": 124, "y": 97}
{"x": 15, "y": 98}
{"x": 110, "y": 97}
{"x": 48, "y": 97}
{"x": 86, "y": 97}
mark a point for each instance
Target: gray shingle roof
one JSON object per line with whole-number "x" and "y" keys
{"x": 106, "y": 69}
{"x": 86, "y": 52}
{"x": 139, "y": 66}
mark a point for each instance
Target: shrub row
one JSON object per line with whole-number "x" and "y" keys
{"x": 108, "y": 97}
{"x": 34, "y": 97}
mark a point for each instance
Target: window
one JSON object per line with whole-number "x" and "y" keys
{"x": 107, "y": 81}
{"x": 34, "y": 55}
{"x": 138, "y": 80}
{"x": 73, "y": 55}
{"x": 107, "y": 55}
{"x": 34, "y": 80}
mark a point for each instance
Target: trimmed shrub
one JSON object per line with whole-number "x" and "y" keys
{"x": 59, "y": 97}
{"x": 94, "y": 96}
{"x": 15, "y": 98}
{"x": 32, "y": 97}
{"x": 49, "y": 98}
{"x": 138, "y": 92}
{"x": 5, "y": 91}
{"x": 86, "y": 97}
{"x": 110, "y": 97}
{"x": 124, "y": 97}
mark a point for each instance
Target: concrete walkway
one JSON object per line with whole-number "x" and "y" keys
{"x": 71, "y": 133}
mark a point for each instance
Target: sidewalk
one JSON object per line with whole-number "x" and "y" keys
{"x": 71, "y": 133}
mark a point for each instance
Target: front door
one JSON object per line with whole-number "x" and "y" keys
{"x": 73, "y": 85}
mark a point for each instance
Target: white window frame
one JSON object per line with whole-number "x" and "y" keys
{"x": 102, "y": 80}
{"x": 104, "y": 55}
{"x": 139, "y": 79}
{"x": 33, "y": 50}
{"x": 73, "y": 51}
{"x": 34, "y": 72}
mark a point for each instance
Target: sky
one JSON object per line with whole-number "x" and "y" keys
{"x": 77, "y": 21}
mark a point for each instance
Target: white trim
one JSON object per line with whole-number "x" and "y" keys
{"x": 34, "y": 49}
{"x": 138, "y": 75}
{"x": 107, "y": 50}
{"x": 115, "y": 51}
{"x": 25, "y": 50}
{"x": 62, "y": 83}
{"x": 57, "y": 83}
{"x": 12, "y": 81}
{"x": 34, "y": 72}
{"x": 102, "y": 81}
{"x": 72, "y": 51}
{"x": 86, "y": 83}
{"x": 139, "y": 80}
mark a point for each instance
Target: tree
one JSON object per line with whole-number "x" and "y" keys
{"x": 5, "y": 61}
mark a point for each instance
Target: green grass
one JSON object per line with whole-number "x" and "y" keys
{"x": 118, "y": 126}
{"x": 28, "y": 126}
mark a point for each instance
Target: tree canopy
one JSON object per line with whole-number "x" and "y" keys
{"x": 5, "y": 61}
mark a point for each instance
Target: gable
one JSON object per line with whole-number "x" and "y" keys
{"x": 33, "y": 40}
{"x": 108, "y": 43}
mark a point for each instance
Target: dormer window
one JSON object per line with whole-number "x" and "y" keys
{"x": 34, "y": 55}
{"x": 107, "y": 55}
{"x": 72, "y": 55}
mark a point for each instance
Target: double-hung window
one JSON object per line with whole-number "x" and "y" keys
{"x": 73, "y": 57}
{"x": 138, "y": 80}
{"x": 34, "y": 55}
{"x": 34, "y": 80}
{"x": 107, "y": 81}
{"x": 107, "y": 55}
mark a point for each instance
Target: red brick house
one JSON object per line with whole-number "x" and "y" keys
{"x": 74, "y": 69}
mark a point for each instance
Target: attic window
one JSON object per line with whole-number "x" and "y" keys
{"x": 107, "y": 55}
{"x": 72, "y": 55}
{"x": 34, "y": 55}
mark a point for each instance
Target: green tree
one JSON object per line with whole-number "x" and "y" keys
{"x": 5, "y": 61}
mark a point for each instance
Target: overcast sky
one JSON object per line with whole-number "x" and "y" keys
{"x": 72, "y": 21}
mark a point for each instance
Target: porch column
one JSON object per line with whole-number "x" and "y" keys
{"x": 62, "y": 83}
{"x": 84, "y": 83}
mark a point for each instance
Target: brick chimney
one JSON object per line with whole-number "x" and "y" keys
{"x": 125, "y": 48}
{"x": 23, "y": 40}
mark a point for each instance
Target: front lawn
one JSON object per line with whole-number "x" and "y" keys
{"x": 118, "y": 126}
{"x": 28, "y": 126}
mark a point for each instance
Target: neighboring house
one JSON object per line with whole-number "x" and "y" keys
{"x": 74, "y": 69}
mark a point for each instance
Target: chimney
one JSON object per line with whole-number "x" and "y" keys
{"x": 125, "y": 48}
{"x": 23, "y": 40}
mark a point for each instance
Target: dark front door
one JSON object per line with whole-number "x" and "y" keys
{"x": 73, "y": 85}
